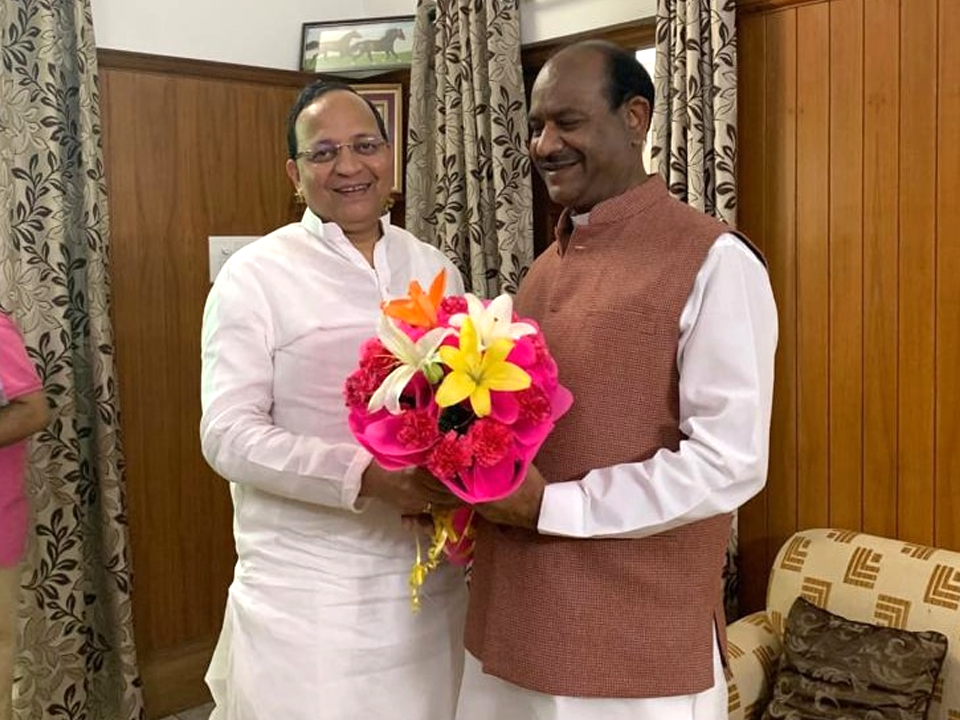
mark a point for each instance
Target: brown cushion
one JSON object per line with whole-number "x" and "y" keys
{"x": 836, "y": 668}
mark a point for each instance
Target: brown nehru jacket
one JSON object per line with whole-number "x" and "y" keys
{"x": 613, "y": 617}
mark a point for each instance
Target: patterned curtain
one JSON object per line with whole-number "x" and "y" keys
{"x": 77, "y": 657}
{"x": 468, "y": 174}
{"x": 694, "y": 132}
{"x": 695, "y": 120}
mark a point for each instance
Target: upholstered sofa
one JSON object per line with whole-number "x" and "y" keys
{"x": 861, "y": 577}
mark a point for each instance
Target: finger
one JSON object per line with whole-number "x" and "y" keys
{"x": 435, "y": 486}
{"x": 445, "y": 500}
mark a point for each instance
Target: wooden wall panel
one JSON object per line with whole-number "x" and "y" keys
{"x": 779, "y": 233}
{"x": 947, "y": 373}
{"x": 754, "y": 534}
{"x": 813, "y": 257}
{"x": 880, "y": 265}
{"x": 869, "y": 353}
{"x": 846, "y": 262}
{"x": 918, "y": 237}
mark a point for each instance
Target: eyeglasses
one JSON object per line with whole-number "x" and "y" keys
{"x": 328, "y": 152}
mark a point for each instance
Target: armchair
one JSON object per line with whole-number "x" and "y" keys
{"x": 861, "y": 577}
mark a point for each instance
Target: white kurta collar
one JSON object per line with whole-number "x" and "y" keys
{"x": 332, "y": 234}
{"x": 330, "y": 230}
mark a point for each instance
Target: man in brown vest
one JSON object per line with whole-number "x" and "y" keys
{"x": 596, "y": 590}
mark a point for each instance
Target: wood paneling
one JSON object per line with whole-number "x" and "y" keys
{"x": 780, "y": 245}
{"x": 853, "y": 107}
{"x": 845, "y": 280}
{"x": 881, "y": 97}
{"x": 746, "y": 7}
{"x": 947, "y": 294}
{"x": 753, "y": 525}
{"x": 813, "y": 257}
{"x": 918, "y": 240}
{"x": 192, "y": 149}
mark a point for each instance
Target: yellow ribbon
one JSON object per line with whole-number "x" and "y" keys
{"x": 443, "y": 533}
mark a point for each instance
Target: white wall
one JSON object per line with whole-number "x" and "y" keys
{"x": 262, "y": 33}
{"x": 548, "y": 19}
{"x": 266, "y": 33}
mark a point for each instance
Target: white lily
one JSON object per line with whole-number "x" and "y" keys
{"x": 414, "y": 357}
{"x": 493, "y": 322}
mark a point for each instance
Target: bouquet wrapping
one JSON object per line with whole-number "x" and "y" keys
{"x": 461, "y": 387}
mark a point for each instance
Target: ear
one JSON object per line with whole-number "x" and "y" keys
{"x": 293, "y": 172}
{"x": 638, "y": 113}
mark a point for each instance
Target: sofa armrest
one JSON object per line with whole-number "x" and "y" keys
{"x": 753, "y": 651}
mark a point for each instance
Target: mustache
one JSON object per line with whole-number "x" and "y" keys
{"x": 559, "y": 158}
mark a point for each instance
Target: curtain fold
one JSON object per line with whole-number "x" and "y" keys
{"x": 77, "y": 656}
{"x": 468, "y": 174}
{"x": 694, "y": 145}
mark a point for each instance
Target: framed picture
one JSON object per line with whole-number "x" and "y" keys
{"x": 357, "y": 46}
{"x": 388, "y": 100}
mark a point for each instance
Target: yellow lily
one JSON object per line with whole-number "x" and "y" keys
{"x": 474, "y": 373}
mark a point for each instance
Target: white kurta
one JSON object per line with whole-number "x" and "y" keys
{"x": 728, "y": 336}
{"x": 318, "y": 621}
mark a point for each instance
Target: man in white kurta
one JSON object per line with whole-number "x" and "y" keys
{"x": 318, "y": 621}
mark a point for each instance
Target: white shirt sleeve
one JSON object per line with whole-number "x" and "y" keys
{"x": 238, "y": 436}
{"x": 728, "y": 338}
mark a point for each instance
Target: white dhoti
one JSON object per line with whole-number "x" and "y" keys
{"x": 485, "y": 697}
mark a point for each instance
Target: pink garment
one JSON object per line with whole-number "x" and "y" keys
{"x": 17, "y": 378}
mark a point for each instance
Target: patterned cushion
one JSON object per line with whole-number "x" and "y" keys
{"x": 875, "y": 580}
{"x": 838, "y": 668}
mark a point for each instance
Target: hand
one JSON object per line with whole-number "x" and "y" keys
{"x": 24, "y": 416}
{"x": 412, "y": 490}
{"x": 422, "y": 524}
{"x": 522, "y": 507}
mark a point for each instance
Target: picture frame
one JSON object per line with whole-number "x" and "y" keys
{"x": 357, "y": 47}
{"x": 387, "y": 98}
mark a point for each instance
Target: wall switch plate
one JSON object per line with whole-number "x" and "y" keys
{"x": 222, "y": 247}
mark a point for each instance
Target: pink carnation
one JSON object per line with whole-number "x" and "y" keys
{"x": 358, "y": 389}
{"x": 449, "y": 306}
{"x": 418, "y": 429}
{"x": 375, "y": 358}
{"x": 534, "y": 405}
{"x": 490, "y": 440}
{"x": 375, "y": 364}
{"x": 451, "y": 456}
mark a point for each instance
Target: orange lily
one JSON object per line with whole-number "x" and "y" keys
{"x": 420, "y": 309}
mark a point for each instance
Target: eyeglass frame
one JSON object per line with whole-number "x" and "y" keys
{"x": 378, "y": 143}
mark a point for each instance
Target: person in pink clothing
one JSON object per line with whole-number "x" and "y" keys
{"x": 23, "y": 411}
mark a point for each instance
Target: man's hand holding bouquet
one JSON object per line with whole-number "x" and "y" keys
{"x": 463, "y": 388}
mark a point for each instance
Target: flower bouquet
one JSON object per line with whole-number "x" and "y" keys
{"x": 459, "y": 386}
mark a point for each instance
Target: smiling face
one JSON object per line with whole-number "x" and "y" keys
{"x": 350, "y": 190}
{"x": 585, "y": 151}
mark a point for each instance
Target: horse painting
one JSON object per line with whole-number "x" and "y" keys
{"x": 340, "y": 46}
{"x": 383, "y": 45}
